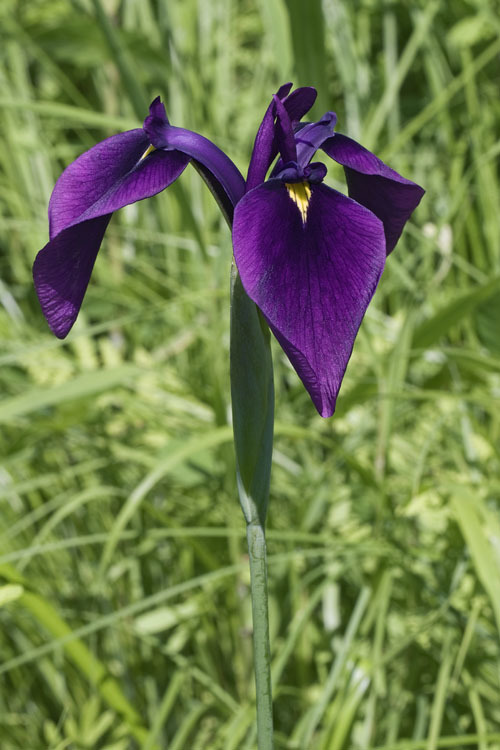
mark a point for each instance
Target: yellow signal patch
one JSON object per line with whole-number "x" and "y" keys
{"x": 300, "y": 193}
{"x": 149, "y": 149}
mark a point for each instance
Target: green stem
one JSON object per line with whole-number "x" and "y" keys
{"x": 256, "y": 539}
{"x": 252, "y": 401}
{"x": 252, "y": 393}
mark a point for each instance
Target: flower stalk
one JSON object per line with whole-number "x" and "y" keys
{"x": 252, "y": 392}
{"x": 256, "y": 540}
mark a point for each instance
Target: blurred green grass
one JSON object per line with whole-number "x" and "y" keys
{"x": 124, "y": 605}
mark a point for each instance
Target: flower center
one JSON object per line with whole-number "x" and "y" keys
{"x": 300, "y": 193}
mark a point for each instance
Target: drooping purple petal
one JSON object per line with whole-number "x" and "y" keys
{"x": 372, "y": 183}
{"x": 92, "y": 174}
{"x": 211, "y": 156}
{"x": 167, "y": 137}
{"x": 62, "y": 272}
{"x": 312, "y": 279}
{"x": 81, "y": 206}
{"x": 148, "y": 177}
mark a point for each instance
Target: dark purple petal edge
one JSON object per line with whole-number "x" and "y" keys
{"x": 62, "y": 269}
{"x": 376, "y": 186}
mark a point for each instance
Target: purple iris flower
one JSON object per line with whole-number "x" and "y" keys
{"x": 308, "y": 256}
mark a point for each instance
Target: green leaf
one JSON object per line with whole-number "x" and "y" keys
{"x": 252, "y": 393}
{"x": 467, "y": 510}
{"x": 82, "y": 386}
{"x": 308, "y": 37}
{"x": 429, "y": 332}
{"x": 277, "y": 29}
{"x": 88, "y": 664}
{"x": 163, "y": 467}
{"x": 488, "y": 323}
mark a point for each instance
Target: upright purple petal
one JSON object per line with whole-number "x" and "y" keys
{"x": 308, "y": 138}
{"x": 312, "y": 270}
{"x": 284, "y": 90}
{"x": 265, "y": 147}
{"x": 157, "y": 110}
{"x": 312, "y": 135}
{"x": 372, "y": 183}
{"x": 99, "y": 182}
{"x": 285, "y": 138}
{"x": 157, "y": 123}
{"x": 299, "y": 102}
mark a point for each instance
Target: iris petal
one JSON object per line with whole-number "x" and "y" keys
{"x": 284, "y": 90}
{"x": 210, "y": 156}
{"x": 109, "y": 176}
{"x": 372, "y": 183}
{"x": 312, "y": 279}
{"x": 299, "y": 102}
{"x": 312, "y": 135}
{"x": 308, "y": 138}
{"x": 92, "y": 175}
{"x": 221, "y": 174}
{"x": 62, "y": 272}
{"x": 265, "y": 148}
{"x": 283, "y": 130}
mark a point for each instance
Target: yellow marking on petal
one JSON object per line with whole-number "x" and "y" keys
{"x": 300, "y": 193}
{"x": 149, "y": 149}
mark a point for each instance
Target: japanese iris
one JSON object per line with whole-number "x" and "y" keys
{"x": 308, "y": 256}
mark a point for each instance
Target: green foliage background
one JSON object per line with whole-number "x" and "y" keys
{"x": 125, "y": 618}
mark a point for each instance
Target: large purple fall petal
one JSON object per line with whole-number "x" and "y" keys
{"x": 312, "y": 280}
{"x": 372, "y": 183}
{"x": 92, "y": 174}
{"x": 62, "y": 272}
{"x": 101, "y": 181}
